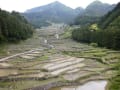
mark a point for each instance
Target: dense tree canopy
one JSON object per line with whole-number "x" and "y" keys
{"x": 107, "y": 34}
{"x": 13, "y": 27}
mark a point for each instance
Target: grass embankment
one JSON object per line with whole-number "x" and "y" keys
{"x": 114, "y": 83}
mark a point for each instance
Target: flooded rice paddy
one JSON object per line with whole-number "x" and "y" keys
{"x": 92, "y": 85}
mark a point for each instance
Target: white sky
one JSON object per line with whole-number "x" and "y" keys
{"x": 23, "y": 5}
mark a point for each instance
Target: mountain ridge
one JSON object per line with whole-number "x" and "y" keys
{"x": 58, "y": 12}
{"x": 47, "y": 6}
{"x": 98, "y": 8}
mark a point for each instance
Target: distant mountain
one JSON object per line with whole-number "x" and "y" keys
{"x": 55, "y": 6}
{"x": 98, "y": 8}
{"x": 93, "y": 12}
{"x": 53, "y": 12}
{"x": 58, "y": 12}
{"x": 112, "y": 19}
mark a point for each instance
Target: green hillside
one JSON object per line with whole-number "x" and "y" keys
{"x": 13, "y": 27}
{"x": 106, "y": 34}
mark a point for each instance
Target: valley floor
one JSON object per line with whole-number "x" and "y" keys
{"x": 54, "y": 60}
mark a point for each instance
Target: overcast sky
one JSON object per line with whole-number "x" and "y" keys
{"x": 23, "y": 5}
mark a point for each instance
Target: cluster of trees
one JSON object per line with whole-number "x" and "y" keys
{"x": 13, "y": 27}
{"x": 106, "y": 33}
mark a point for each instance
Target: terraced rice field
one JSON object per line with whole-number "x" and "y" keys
{"x": 68, "y": 61}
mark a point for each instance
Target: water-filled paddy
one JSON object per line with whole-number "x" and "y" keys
{"x": 92, "y": 85}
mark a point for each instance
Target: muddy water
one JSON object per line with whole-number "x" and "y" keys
{"x": 92, "y": 85}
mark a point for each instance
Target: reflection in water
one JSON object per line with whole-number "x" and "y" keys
{"x": 92, "y": 85}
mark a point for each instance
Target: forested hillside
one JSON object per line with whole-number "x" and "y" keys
{"x": 106, "y": 34}
{"x": 13, "y": 27}
{"x": 110, "y": 17}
